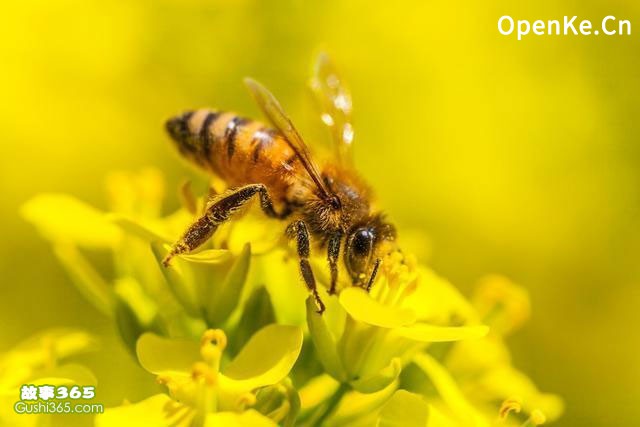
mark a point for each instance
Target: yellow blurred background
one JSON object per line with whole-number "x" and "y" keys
{"x": 514, "y": 157}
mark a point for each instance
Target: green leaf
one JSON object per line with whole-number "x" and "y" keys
{"x": 404, "y": 409}
{"x": 359, "y": 304}
{"x": 221, "y": 300}
{"x": 156, "y": 411}
{"x": 381, "y": 380}
{"x": 163, "y": 355}
{"x": 430, "y": 333}
{"x": 324, "y": 342}
{"x": 62, "y": 218}
{"x": 268, "y": 356}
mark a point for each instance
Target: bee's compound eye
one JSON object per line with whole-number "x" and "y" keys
{"x": 359, "y": 250}
{"x": 362, "y": 242}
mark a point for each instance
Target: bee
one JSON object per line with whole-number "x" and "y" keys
{"x": 330, "y": 206}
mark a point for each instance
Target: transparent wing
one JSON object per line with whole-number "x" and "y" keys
{"x": 278, "y": 118}
{"x": 334, "y": 102}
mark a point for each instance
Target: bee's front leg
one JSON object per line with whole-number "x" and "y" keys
{"x": 219, "y": 210}
{"x": 299, "y": 231}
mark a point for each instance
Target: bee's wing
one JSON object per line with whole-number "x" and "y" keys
{"x": 278, "y": 118}
{"x": 334, "y": 101}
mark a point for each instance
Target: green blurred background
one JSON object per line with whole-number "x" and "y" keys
{"x": 514, "y": 157}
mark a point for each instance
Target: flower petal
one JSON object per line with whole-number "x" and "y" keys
{"x": 256, "y": 314}
{"x": 161, "y": 355}
{"x": 135, "y": 228}
{"x": 208, "y": 256}
{"x": 268, "y": 356}
{"x": 64, "y": 374}
{"x": 437, "y": 300}
{"x": 60, "y": 342}
{"x": 502, "y": 304}
{"x": 404, "y": 409}
{"x": 280, "y": 277}
{"x": 430, "y": 333}
{"x": 62, "y": 218}
{"x": 450, "y": 392}
{"x": 248, "y": 418}
{"x": 263, "y": 233}
{"x": 503, "y": 382}
{"x": 87, "y": 280}
{"x": 317, "y": 390}
{"x": 359, "y": 304}
{"x": 324, "y": 342}
{"x": 156, "y": 411}
{"x": 360, "y": 409}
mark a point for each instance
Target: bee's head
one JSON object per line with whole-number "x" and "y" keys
{"x": 361, "y": 255}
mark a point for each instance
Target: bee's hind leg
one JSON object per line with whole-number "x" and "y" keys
{"x": 298, "y": 230}
{"x": 217, "y": 211}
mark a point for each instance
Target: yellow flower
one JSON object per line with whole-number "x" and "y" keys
{"x": 364, "y": 341}
{"x": 412, "y": 352}
{"x": 42, "y": 359}
{"x": 199, "y": 290}
{"x": 202, "y": 393}
{"x": 464, "y": 382}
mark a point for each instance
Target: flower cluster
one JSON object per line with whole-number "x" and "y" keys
{"x": 42, "y": 359}
{"x": 232, "y": 336}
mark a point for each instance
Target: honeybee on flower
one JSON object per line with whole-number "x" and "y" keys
{"x": 233, "y": 341}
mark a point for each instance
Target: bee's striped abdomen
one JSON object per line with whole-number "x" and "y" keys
{"x": 240, "y": 151}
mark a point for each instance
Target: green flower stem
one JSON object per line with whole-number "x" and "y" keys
{"x": 327, "y": 410}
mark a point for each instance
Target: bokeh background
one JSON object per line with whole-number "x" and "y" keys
{"x": 518, "y": 158}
